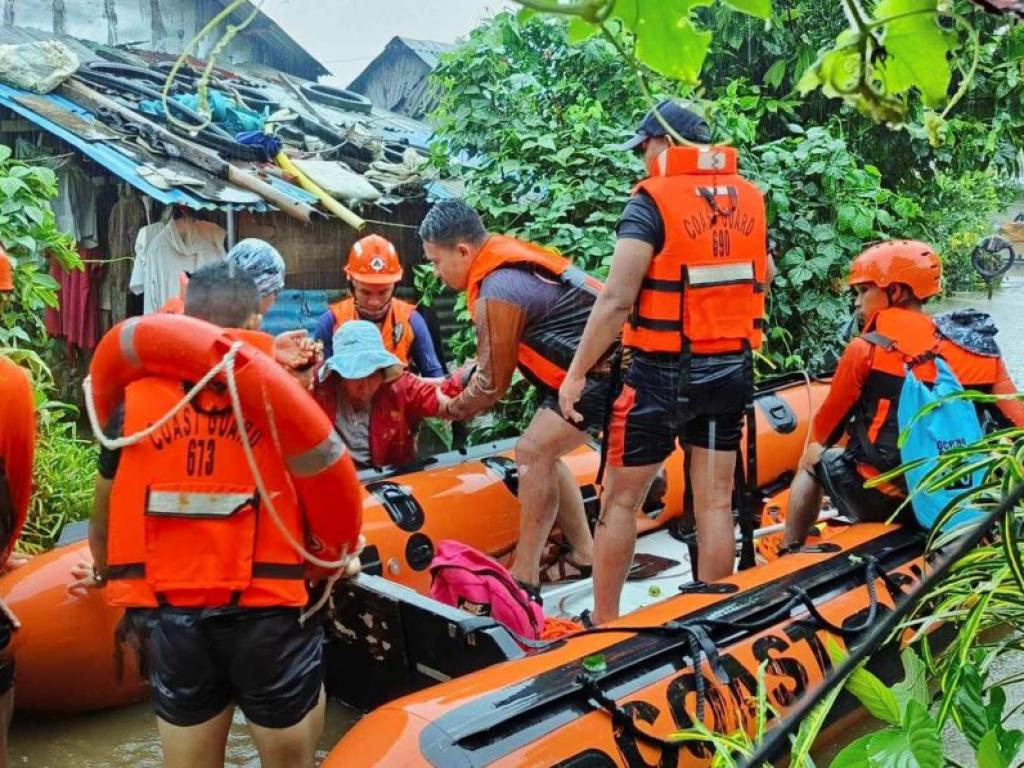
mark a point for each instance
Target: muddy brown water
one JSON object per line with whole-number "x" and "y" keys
{"x": 127, "y": 736}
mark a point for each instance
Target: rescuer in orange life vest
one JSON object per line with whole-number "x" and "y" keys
{"x": 892, "y": 281}
{"x": 217, "y": 605}
{"x": 373, "y": 272}
{"x": 688, "y": 277}
{"x": 17, "y": 448}
{"x": 529, "y": 306}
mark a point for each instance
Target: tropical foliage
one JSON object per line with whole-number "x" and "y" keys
{"x": 65, "y": 465}
{"x": 534, "y": 119}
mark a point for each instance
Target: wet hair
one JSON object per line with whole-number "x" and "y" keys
{"x": 450, "y": 222}
{"x": 223, "y": 294}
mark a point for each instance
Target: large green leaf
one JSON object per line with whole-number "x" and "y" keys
{"x": 667, "y": 39}
{"x": 874, "y": 695}
{"x": 914, "y": 686}
{"x": 916, "y": 744}
{"x": 989, "y": 754}
{"x": 916, "y": 49}
{"x": 854, "y": 754}
{"x": 971, "y": 716}
{"x": 762, "y": 9}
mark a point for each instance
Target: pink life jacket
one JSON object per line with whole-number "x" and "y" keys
{"x": 471, "y": 581}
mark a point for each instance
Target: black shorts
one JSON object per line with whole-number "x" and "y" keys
{"x": 837, "y": 471}
{"x": 261, "y": 659}
{"x": 647, "y": 419}
{"x": 592, "y": 405}
{"x": 6, "y": 656}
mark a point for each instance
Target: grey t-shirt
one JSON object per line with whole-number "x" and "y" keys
{"x": 354, "y": 427}
{"x": 536, "y": 295}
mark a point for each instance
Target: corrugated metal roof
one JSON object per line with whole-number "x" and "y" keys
{"x": 126, "y": 166}
{"x": 428, "y": 50}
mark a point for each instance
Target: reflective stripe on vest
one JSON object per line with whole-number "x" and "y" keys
{"x": 186, "y": 527}
{"x": 536, "y": 359}
{"x": 707, "y": 284}
{"x": 396, "y": 330}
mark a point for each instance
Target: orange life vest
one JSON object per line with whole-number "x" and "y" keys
{"x": 901, "y": 337}
{"x": 186, "y": 524}
{"x": 707, "y": 284}
{"x": 545, "y": 353}
{"x": 396, "y": 331}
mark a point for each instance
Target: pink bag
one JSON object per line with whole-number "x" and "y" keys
{"x": 471, "y": 581}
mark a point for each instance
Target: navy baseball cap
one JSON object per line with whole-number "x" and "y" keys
{"x": 685, "y": 122}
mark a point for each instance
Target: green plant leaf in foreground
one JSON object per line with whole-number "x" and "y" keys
{"x": 916, "y": 49}
{"x": 874, "y": 695}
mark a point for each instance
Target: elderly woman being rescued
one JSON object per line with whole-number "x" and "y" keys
{"x": 375, "y": 404}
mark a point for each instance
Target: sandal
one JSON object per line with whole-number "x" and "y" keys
{"x": 566, "y": 569}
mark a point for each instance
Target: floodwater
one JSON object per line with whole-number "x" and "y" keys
{"x": 127, "y": 736}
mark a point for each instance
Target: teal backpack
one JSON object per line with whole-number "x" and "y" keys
{"x": 952, "y": 424}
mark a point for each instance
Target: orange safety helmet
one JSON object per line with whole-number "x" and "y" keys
{"x": 910, "y": 262}
{"x": 6, "y": 272}
{"x": 374, "y": 260}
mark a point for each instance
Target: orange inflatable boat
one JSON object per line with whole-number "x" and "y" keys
{"x": 614, "y": 696}
{"x": 66, "y": 650}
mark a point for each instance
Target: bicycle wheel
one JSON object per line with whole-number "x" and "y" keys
{"x": 993, "y": 257}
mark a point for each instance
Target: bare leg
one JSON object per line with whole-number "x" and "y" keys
{"x": 292, "y": 747}
{"x": 6, "y": 711}
{"x": 548, "y": 437}
{"x": 712, "y": 476}
{"x": 804, "y": 498}
{"x": 195, "y": 746}
{"x": 572, "y": 516}
{"x": 615, "y": 536}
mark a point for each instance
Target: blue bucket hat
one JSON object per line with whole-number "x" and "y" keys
{"x": 358, "y": 352}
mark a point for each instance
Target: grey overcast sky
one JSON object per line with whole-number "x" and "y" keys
{"x": 347, "y": 34}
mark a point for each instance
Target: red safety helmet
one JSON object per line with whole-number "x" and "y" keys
{"x": 374, "y": 260}
{"x": 6, "y": 272}
{"x": 910, "y": 262}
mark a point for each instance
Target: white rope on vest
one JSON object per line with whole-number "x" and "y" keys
{"x": 227, "y": 367}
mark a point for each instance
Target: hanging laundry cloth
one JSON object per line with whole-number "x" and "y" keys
{"x": 127, "y": 217}
{"x": 76, "y": 318}
{"x": 166, "y": 249}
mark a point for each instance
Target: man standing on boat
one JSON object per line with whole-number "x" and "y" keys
{"x": 529, "y": 306}
{"x": 215, "y": 596}
{"x": 688, "y": 278}
{"x": 17, "y": 449}
{"x": 373, "y": 272}
{"x": 892, "y": 281}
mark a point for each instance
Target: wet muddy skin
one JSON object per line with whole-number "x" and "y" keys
{"x": 127, "y": 736}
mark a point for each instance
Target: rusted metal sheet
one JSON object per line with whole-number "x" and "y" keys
{"x": 90, "y": 130}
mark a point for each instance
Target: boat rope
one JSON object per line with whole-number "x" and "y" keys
{"x": 225, "y": 366}
{"x": 777, "y": 740}
{"x": 871, "y": 574}
{"x": 700, "y": 646}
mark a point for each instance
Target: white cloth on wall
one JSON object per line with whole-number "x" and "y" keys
{"x": 74, "y": 207}
{"x": 166, "y": 249}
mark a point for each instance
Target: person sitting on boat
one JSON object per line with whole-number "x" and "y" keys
{"x": 373, "y": 272}
{"x": 892, "y": 281}
{"x": 375, "y": 404}
{"x": 686, "y": 289}
{"x": 224, "y": 629}
{"x": 529, "y": 306}
{"x": 295, "y": 350}
{"x": 17, "y": 448}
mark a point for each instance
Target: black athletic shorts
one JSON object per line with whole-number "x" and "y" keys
{"x": 6, "y": 656}
{"x": 647, "y": 419}
{"x": 837, "y": 471}
{"x": 592, "y": 405}
{"x": 203, "y": 660}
